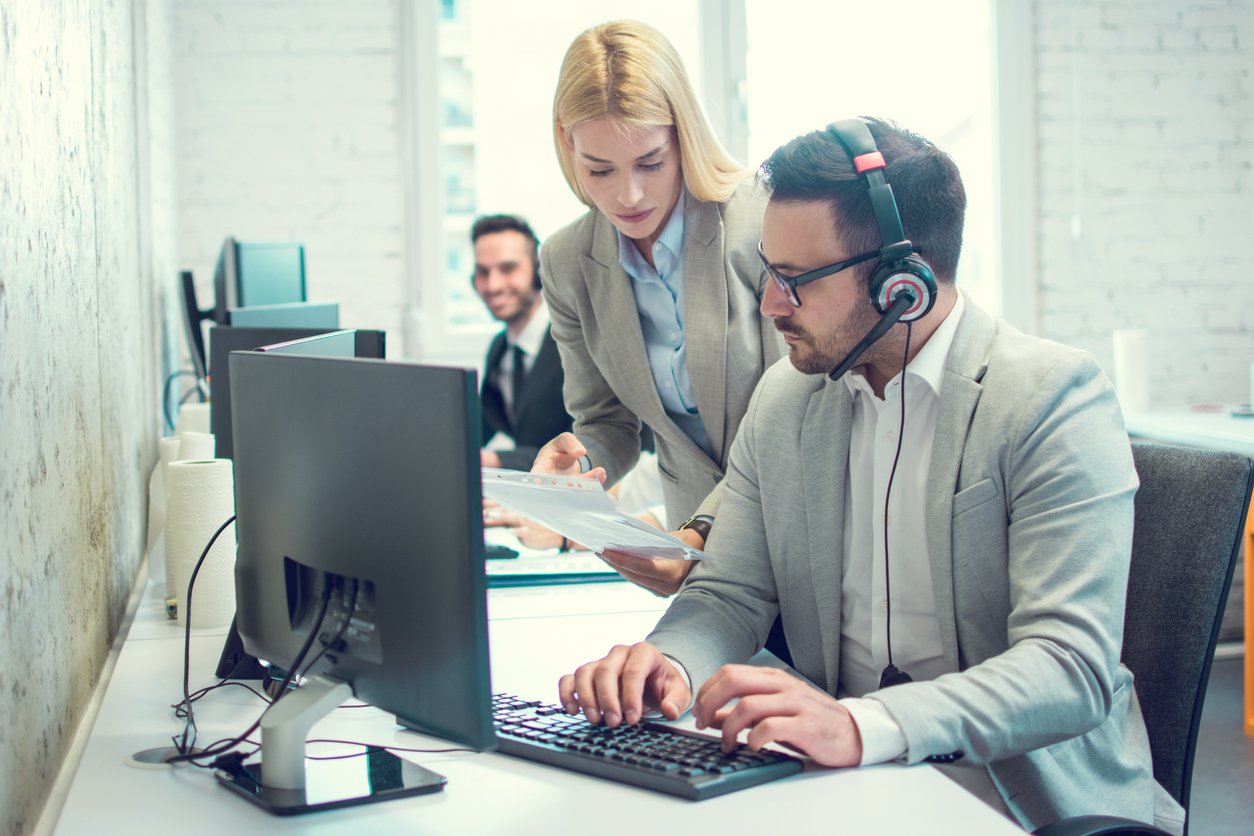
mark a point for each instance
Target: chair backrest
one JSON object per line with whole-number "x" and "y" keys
{"x": 1190, "y": 513}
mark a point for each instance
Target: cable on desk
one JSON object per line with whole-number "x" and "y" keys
{"x": 214, "y": 750}
{"x": 192, "y": 390}
{"x": 180, "y": 708}
{"x": 165, "y": 395}
{"x": 186, "y": 740}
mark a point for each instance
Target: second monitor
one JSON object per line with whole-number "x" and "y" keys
{"x": 223, "y": 340}
{"x": 252, "y": 273}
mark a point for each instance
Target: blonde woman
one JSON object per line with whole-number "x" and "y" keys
{"x": 654, "y": 292}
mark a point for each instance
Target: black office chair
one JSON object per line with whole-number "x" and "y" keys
{"x": 1190, "y": 517}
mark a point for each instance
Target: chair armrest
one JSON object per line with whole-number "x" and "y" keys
{"x": 1098, "y": 826}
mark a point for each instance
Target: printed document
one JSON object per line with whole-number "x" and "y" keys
{"x": 580, "y": 510}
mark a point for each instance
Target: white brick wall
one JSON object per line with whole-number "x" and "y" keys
{"x": 288, "y": 130}
{"x": 1145, "y": 118}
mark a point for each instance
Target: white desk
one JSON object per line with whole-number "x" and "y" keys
{"x": 537, "y": 634}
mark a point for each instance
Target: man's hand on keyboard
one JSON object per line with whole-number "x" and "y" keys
{"x": 640, "y": 674}
{"x": 778, "y": 708}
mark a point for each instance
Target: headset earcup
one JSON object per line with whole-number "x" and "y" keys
{"x": 892, "y": 278}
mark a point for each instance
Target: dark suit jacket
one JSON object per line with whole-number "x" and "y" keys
{"x": 539, "y": 417}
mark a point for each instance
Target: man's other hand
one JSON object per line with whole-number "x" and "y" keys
{"x": 777, "y": 707}
{"x": 618, "y": 688}
{"x": 660, "y": 576}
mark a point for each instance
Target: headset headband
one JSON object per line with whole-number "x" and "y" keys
{"x": 855, "y": 137}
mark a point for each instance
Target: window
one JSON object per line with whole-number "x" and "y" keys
{"x": 923, "y": 64}
{"x": 805, "y": 64}
{"x": 498, "y": 65}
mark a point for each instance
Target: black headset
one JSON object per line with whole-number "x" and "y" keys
{"x": 525, "y": 229}
{"x": 902, "y": 286}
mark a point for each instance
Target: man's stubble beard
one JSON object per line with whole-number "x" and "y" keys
{"x": 526, "y": 305}
{"x": 820, "y": 354}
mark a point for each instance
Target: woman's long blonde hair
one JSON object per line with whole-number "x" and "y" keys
{"x": 629, "y": 71}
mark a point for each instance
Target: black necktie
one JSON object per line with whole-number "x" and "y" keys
{"x": 518, "y": 377}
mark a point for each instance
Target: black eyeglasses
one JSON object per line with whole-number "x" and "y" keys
{"x": 789, "y": 284}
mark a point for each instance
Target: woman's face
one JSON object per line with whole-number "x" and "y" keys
{"x": 633, "y": 174}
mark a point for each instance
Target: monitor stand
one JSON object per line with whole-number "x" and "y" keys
{"x": 280, "y": 782}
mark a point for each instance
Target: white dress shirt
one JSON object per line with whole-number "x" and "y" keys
{"x": 530, "y": 339}
{"x": 865, "y": 601}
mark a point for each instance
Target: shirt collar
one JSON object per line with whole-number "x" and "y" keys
{"x": 929, "y": 364}
{"x": 666, "y": 250}
{"x": 532, "y": 335}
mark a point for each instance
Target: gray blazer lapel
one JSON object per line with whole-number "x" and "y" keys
{"x": 614, "y": 305}
{"x": 705, "y": 315}
{"x": 825, "y": 461}
{"x": 964, "y": 369}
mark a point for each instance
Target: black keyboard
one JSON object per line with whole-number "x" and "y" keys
{"x": 648, "y": 755}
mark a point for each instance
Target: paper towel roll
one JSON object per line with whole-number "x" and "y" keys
{"x": 168, "y": 449}
{"x": 201, "y": 496}
{"x": 196, "y": 446}
{"x": 1132, "y": 369}
{"x": 193, "y": 417}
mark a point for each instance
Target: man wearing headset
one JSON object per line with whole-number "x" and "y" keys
{"x": 938, "y": 506}
{"x": 521, "y": 395}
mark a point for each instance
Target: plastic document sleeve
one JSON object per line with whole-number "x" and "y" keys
{"x": 581, "y": 511}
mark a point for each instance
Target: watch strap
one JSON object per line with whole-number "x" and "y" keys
{"x": 700, "y": 523}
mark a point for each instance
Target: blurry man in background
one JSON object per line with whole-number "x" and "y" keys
{"x": 521, "y": 397}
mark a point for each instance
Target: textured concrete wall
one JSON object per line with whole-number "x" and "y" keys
{"x": 288, "y": 129}
{"x": 79, "y": 366}
{"x": 1145, "y": 118}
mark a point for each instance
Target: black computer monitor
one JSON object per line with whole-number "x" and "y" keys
{"x": 225, "y": 339}
{"x": 192, "y": 317}
{"x": 257, "y": 273}
{"x": 357, "y": 483}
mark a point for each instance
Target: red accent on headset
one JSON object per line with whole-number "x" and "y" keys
{"x": 866, "y": 162}
{"x": 919, "y": 293}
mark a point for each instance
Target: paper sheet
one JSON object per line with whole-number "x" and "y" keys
{"x": 580, "y": 510}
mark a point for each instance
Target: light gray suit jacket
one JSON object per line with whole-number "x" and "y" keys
{"x": 609, "y": 387}
{"x": 1029, "y": 529}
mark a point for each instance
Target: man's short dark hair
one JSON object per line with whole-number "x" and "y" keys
{"x": 925, "y": 181}
{"x": 491, "y": 224}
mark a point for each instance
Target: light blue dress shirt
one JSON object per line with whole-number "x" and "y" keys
{"x": 660, "y": 304}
